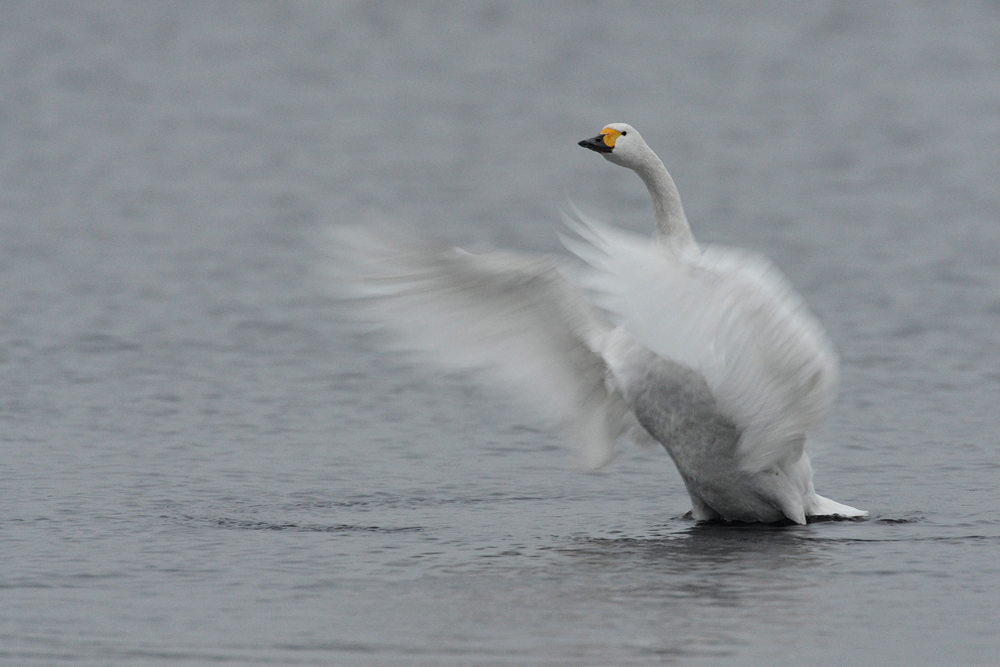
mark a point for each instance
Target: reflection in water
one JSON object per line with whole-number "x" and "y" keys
{"x": 704, "y": 548}
{"x": 722, "y": 564}
{"x": 681, "y": 580}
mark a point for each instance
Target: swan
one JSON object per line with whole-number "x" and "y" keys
{"x": 707, "y": 351}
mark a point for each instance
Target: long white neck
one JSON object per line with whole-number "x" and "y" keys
{"x": 672, "y": 225}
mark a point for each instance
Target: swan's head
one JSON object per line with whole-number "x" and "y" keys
{"x": 619, "y": 143}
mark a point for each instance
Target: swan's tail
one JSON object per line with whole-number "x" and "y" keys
{"x": 818, "y": 506}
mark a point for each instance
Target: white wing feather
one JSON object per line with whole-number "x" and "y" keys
{"x": 515, "y": 316}
{"x": 731, "y": 316}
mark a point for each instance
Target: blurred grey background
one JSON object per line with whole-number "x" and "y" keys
{"x": 204, "y": 460}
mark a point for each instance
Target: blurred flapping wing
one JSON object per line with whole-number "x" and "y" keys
{"x": 730, "y": 316}
{"x": 515, "y": 317}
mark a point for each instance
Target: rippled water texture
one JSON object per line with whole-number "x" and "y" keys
{"x": 204, "y": 461}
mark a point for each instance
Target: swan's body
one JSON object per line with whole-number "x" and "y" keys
{"x": 710, "y": 352}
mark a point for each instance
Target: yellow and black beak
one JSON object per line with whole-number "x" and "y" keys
{"x": 603, "y": 142}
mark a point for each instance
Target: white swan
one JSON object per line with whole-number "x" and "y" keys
{"x": 709, "y": 351}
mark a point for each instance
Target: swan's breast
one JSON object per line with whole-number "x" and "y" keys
{"x": 676, "y": 406}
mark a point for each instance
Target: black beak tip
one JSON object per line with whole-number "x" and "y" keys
{"x": 596, "y": 144}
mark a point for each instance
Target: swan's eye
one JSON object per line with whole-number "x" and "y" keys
{"x": 624, "y": 132}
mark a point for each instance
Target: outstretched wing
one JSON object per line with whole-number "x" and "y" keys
{"x": 729, "y": 315}
{"x": 513, "y": 316}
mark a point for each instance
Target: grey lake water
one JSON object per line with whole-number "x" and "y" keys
{"x": 205, "y": 460}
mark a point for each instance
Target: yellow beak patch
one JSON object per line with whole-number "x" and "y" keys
{"x": 610, "y": 136}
